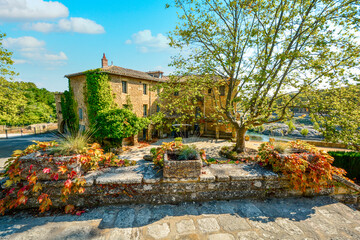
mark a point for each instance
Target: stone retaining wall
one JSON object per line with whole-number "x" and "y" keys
{"x": 143, "y": 184}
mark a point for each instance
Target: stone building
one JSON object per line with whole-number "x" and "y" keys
{"x": 138, "y": 88}
{"x": 126, "y": 84}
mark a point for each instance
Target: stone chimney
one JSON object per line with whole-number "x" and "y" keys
{"x": 104, "y": 62}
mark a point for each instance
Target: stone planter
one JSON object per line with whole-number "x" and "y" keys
{"x": 182, "y": 168}
{"x": 37, "y": 163}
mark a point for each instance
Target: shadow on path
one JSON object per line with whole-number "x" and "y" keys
{"x": 131, "y": 216}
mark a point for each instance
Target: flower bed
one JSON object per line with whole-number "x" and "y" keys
{"x": 303, "y": 164}
{"x": 248, "y": 155}
{"x": 27, "y": 170}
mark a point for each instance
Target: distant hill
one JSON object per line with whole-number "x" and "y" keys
{"x": 23, "y": 103}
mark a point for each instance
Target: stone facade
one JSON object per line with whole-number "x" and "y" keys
{"x": 126, "y": 84}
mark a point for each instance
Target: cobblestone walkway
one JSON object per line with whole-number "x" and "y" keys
{"x": 293, "y": 218}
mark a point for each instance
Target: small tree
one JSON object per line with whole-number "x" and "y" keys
{"x": 117, "y": 124}
{"x": 304, "y": 132}
{"x": 260, "y": 51}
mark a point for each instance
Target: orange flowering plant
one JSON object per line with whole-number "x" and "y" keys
{"x": 22, "y": 180}
{"x": 304, "y": 165}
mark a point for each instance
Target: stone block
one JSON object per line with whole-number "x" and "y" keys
{"x": 207, "y": 225}
{"x": 119, "y": 178}
{"x": 182, "y": 169}
{"x": 37, "y": 163}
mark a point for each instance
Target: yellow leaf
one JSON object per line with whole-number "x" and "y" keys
{"x": 8, "y": 183}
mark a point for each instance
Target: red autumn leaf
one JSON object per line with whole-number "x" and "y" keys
{"x": 55, "y": 176}
{"x": 32, "y": 178}
{"x": 22, "y": 200}
{"x": 68, "y": 183}
{"x": 72, "y": 174}
{"x": 31, "y": 167}
{"x": 46, "y": 170}
{"x": 42, "y": 197}
{"x": 78, "y": 213}
{"x": 45, "y": 205}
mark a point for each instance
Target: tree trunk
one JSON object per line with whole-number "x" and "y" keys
{"x": 240, "y": 140}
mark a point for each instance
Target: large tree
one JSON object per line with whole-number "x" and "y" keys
{"x": 22, "y": 103}
{"x": 261, "y": 51}
{"x": 336, "y": 113}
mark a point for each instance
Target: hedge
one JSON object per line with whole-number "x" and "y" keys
{"x": 350, "y": 161}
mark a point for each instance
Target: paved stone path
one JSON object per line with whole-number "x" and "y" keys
{"x": 293, "y": 218}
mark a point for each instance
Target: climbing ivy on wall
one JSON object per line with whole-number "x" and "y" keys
{"x": 98, "y": 94}
{"x": 69, "y": 110}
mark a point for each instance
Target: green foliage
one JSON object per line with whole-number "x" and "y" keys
{"x": 178, "y": 139}
{"x": 260, "y": 50}
{"x": 5, "y": 61}
{"x": 291, "y": 126}
{"x": 349, "y": 161}
{"x": 118, "y": 124}
{"x": 188, "y": 152}
{"x": 160, "y": 121}
{"x": 336, "y": 114}
{"x": 22, "y": 103}
{"x": 69, "y": 108}
{"x": 304, "y": 132}
{"x": 153, "y": 152}
{"x": 73, "y": 143}
{"x": 98, "y": 94}
{"x": 129, "y": 104}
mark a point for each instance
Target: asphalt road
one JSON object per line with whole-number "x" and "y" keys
{"x": 7, "y": 146}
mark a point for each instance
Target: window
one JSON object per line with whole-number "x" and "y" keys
{"x": 80, "y": 114}
{"x": 145, "y": 110}
{"x": 144, "y": 88}
{"x": 176, "y": 93}
{"x": 222, "y": 90}
{"x": 157, "y": 108}
{"x": 209, "y": 90}
{"x": 124, "y": 86}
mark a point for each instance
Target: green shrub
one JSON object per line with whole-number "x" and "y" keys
{"x": 73, "y": 143}
{"x": 188, "y": 152}
{"x": 291, "y": 126}
{"x": 178, "y": 139}
{"x": 153, "y": 151}
{"x": 350, "y": 161}
{"x": 117, "y": 124}
{"x": 304, "y": 132}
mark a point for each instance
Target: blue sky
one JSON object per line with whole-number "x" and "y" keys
{"x": 50, "y": 39}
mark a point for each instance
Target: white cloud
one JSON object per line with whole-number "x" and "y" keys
{"x": 74, "y": 24}
{"x": 33, "y": 51}
{"x": 146, "y": 42}
{"x": 19, "y": 61}
{"x": 23, "y": 44}
{"x": 25, "y": 10}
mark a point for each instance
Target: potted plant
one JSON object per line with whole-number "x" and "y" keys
{"x": 182, "y": 162}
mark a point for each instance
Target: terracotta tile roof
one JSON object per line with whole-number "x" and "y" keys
{"x": 123, "y": 72}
